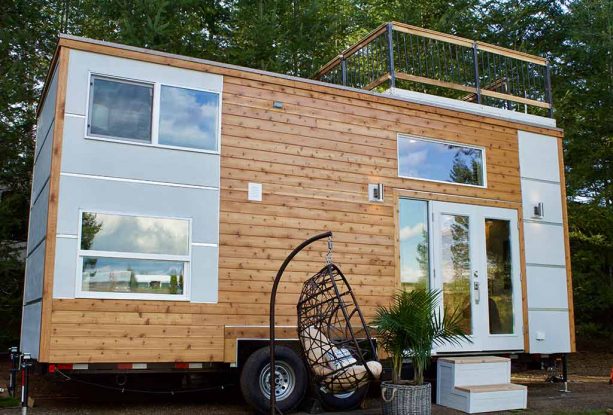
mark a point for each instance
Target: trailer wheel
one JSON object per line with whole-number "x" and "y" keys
{"x": 342, "y": 401}
{"x": 291, "y": 379}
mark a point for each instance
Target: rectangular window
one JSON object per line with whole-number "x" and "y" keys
{"x": 133, "y": 256}
{"x": 414, "y": 250}
{"x": 499, "y": 275}
{"x": 188, "y": 118}
{"x": 419, "y": 158}
{"x": 120, "y": 109}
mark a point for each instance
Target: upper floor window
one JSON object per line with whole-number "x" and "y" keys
{"x": 188, "y": 118}
{"x": 133, "y": 257}
{"x": 153, "y": 114}
{"x": 420, "y": 158}
{"x": 120, "y": 109}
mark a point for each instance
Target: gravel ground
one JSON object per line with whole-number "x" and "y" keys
{"x": 589, "y": 390}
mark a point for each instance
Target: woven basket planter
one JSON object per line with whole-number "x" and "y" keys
{"x": 406, "y": 399}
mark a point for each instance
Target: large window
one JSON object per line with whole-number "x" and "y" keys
{"x": 414, "y": 246}
{"x": 126, "y": 111}
{"x": 419, "y": 158}
{"x": 125, "y": 256}
{"x": 120, "y": 109}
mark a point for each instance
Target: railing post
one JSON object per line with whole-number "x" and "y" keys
{"x": 476, "y": 64}
{"x": 344, "y": 70}
{"x": 548, "y": 92}
{"x": 390, "y": 55}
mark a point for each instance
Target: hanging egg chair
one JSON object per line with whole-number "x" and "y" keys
{"x": 334, "y": 337}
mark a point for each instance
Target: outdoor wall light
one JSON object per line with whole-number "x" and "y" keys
{"x": 277, "y": 105}
{"x": 539, "y": 210}
{"x": 375, "y": 192}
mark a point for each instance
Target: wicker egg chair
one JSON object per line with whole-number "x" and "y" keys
{"x": 333, "y": 334}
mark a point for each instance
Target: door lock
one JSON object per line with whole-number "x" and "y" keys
{"x": 477, "y": 292}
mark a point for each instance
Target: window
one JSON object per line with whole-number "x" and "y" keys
{"x": 419, "y": 158}
{"x": 153, "y": 114}
{"x": 133, "y": 256}
{"x": 188, "y": 118}
{"x": 414, "y": 250}
{"x": 120, "y": 109}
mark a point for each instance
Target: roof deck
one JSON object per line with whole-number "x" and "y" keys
{"x": 399, "y": 56}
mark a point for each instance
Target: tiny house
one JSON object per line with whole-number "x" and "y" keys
{"x": 167, "y": 190}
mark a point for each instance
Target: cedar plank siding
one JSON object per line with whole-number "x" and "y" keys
{"x": 315, "y": 158}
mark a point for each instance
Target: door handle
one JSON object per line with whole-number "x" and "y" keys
{"x": 477, "y": 292}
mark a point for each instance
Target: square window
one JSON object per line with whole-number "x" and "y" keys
{"x": 120, "y": 109}
{"x": 189, "y": 118}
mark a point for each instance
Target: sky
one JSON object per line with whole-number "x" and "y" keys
{"x": 188, "y": 118}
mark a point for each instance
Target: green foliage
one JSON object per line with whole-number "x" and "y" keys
{"x": 173, "y": 284}
{"x": 412, "y": 326}
{"x": 297, "y": 37}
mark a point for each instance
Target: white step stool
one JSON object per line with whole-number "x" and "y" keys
{"x": 478, "y": 384}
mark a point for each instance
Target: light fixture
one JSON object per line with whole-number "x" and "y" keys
{"x": 539, "y": 210}
{"x": 375, "y": 192}
{"x": 277, "y": 105}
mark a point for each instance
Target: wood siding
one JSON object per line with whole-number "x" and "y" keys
{"x": 315, "y": 158}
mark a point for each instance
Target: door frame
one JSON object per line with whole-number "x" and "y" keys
{"x": 503, "y": 211}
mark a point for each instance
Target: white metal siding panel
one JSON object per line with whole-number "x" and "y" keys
{"x": 38, "y": 219}
{"x": 553, "y": 326}
{"x": 47, "y": 113}
{"x": 549, "y": 194}
{"x": 113, "y": 159}
{"x": 538, "y": 156}
{"x": 30, "y": 329}
{"x": 42, "y": 167}
{"x": 35, "y": 267}
{"x": 204, "y": 274}
{"x": 544, "y": 244}
{"x": 65, "y": 270}
{"x": 82, "y": 63}
{"x": 547, "y": 287}
{"x": 201, "y": 205}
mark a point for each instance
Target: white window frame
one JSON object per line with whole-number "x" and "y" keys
{"x": 185, "y": 259}
{"x": 155, "y": 114}
{"x": 453, "y": 143}
{"x": 90, "y": 100}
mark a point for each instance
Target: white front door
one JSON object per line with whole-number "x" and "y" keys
{"x": 475, "y": 263}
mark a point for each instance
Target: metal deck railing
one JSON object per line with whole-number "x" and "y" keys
{"x": 397, "y": 55}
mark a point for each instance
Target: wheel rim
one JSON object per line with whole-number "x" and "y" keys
{"x": 285, "y": 381}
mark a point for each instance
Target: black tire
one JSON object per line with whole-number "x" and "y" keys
{"x": 291, "y": 370}
{"x": 343, "y": 401}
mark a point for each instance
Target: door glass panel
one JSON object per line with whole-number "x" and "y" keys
{"x": 455, "y": 261}
{"x": 499, "y": 281}
{"x": 414, "y": 258}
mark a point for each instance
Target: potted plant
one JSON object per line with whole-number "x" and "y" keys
{"x": 410, "y": 328}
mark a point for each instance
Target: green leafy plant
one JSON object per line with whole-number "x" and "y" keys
{"x": 412, "y": 326}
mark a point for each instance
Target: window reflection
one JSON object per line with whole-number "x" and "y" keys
{"x": 414, "y": 256}
{"x": 120, "y": 109}
{"x": 456, "y": 267}
{"x": 121, "y": 275}
{"x": 432, "y": 160}
{"x": 138, "y": 234}
{"x": 188, "y": 118}
{"x": 499, "y": 278}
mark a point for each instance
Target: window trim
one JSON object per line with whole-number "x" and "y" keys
{"x": 90, "y": 101}
{"x": 185, "y": 259}
{"x": 155, "y": 115}
{"x": 455, "y": 143}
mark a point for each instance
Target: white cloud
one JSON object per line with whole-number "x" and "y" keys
{"x": 408, "y": 232}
